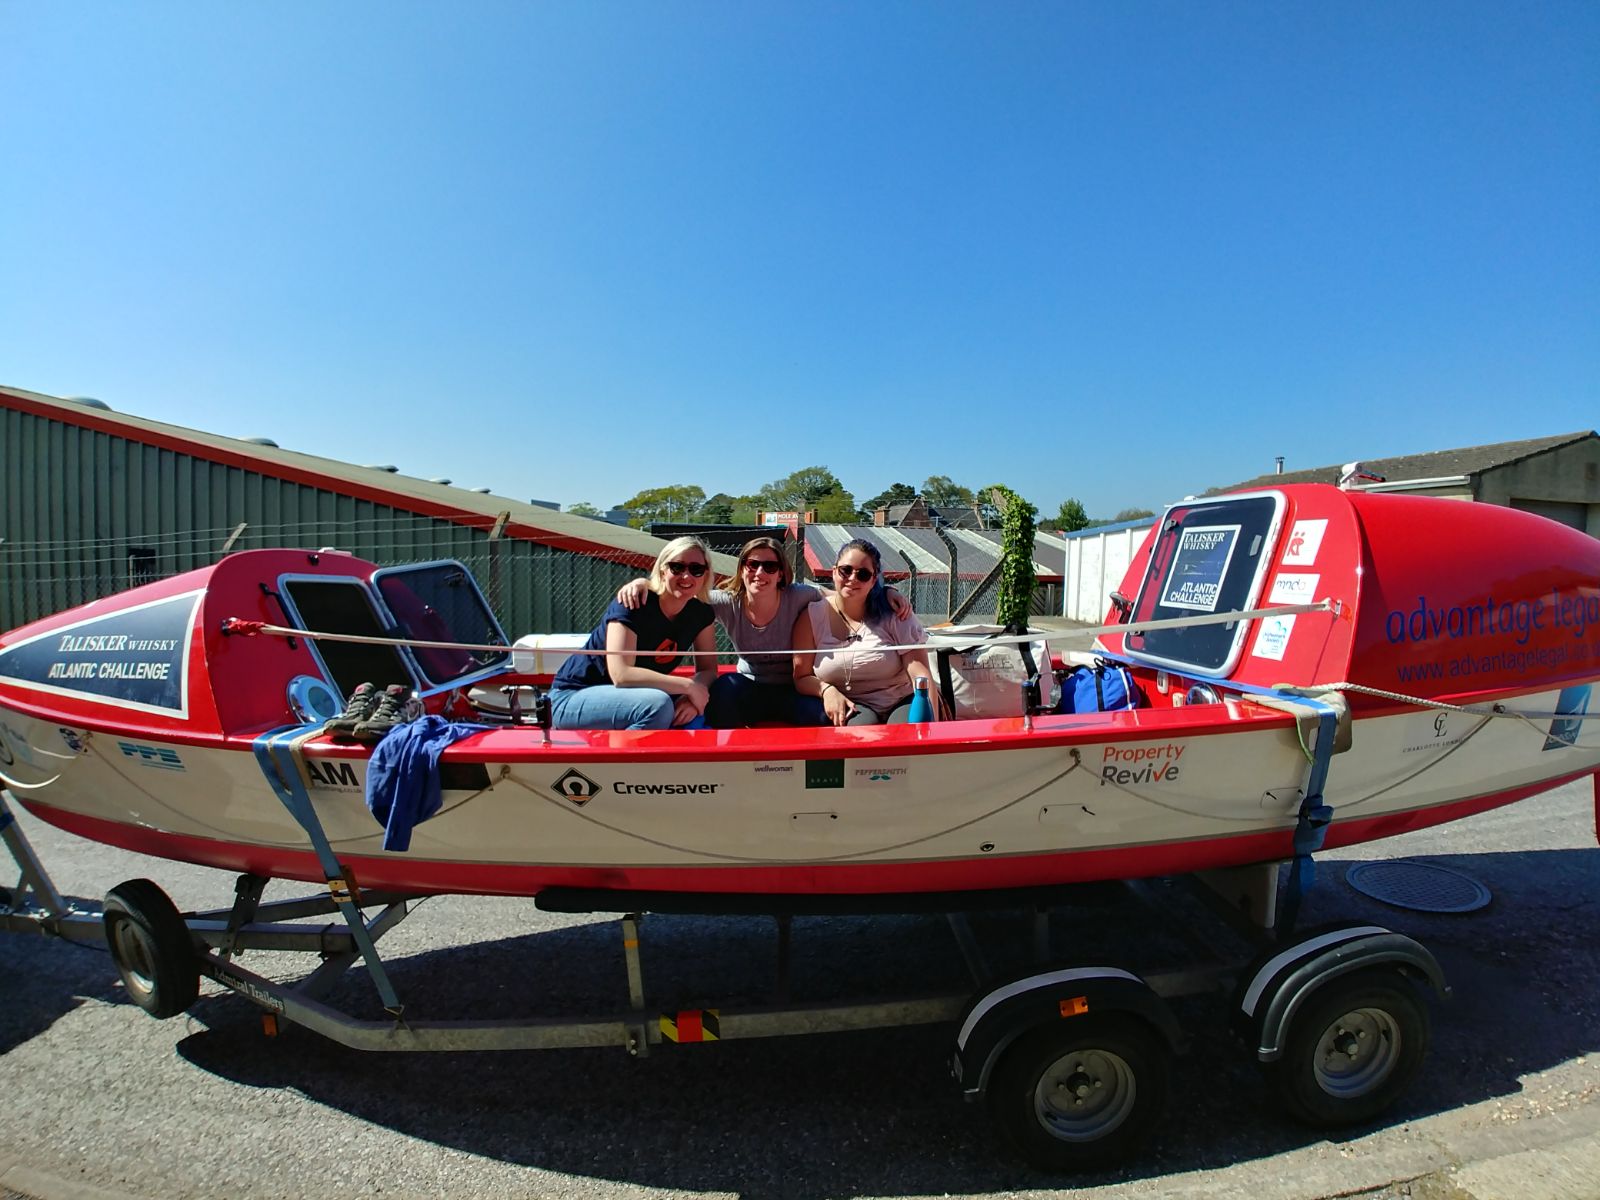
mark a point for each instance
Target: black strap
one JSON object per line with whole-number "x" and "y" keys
{"x": 947, "y": 687}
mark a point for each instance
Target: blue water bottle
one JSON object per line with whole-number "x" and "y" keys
{"x": 921, "y": 705}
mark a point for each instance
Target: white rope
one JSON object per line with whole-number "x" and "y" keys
{"x": 1495, "y": 710}
{"x": 1282, "y": 610}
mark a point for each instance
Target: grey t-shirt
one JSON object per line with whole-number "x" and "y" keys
{"x": 776, "y": 637}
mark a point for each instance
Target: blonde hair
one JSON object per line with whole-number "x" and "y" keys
{"x": 670, "y": 553}
{"x": 734, "y": 584}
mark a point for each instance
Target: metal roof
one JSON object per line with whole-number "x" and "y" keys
{"x": 823, "y": 543}
{"x": 977, "y": 551}
{"x": 529, "y": 522}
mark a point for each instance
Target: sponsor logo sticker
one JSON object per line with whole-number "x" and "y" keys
{"x": 873, "y": 774}
{"x": 1571, "y": 704}
{"x": 1305, "y": 539}
{"x": 1273, "y": 638}
{"x": 1297, "y": 587}
{"x": 825, "y": 773}
{"x": 162, "y": 757}
{"x": 1435, "y": 731}
{"x": 1130, "y": 765}
{"x": 332, "y": 775}
{"x": 664, "y": 789}
{"x": 577, "y": 787}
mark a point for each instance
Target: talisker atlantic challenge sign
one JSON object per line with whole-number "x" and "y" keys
{"x": 134, "y": 657}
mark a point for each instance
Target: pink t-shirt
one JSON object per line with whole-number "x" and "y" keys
{"x": 859, "y": 666}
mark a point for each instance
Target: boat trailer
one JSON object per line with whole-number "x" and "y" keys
{"x": 1070, "y": 1058}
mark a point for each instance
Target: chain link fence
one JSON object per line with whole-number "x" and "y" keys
{"x": 532, "y": 588}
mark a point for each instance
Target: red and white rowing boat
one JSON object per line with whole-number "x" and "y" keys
{"x": 1451, "y": 646}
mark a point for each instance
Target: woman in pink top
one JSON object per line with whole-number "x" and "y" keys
{"x": 859, "y": 680}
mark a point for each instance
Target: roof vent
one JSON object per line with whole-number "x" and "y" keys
{"x": 483, "y": 491}
{"x": 91, "y": 402}
{"x": 439, "y": 479}
{"x": 260, "y": 441}
{"x": 389, "y": 467}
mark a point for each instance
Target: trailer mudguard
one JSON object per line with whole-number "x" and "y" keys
{"x": 1272, "y": 992}
{"x": 994, "y": 1019}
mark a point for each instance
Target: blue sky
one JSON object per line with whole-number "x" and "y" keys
{"x": 1120, "y": 251}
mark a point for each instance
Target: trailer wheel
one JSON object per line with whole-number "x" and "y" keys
{"x": 1357, "y": 1045}
{"x": 1082, "y": 1092}
{"x": 151, "y": 946}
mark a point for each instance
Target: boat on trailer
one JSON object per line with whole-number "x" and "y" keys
{"x": 1319, "y": 667}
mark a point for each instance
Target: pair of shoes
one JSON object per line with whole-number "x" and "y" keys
{"x": 356, "y": 709}
{"x": 370, "y": 713}
{"x": 397, "y": 704}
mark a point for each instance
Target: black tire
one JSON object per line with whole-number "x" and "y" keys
{"x": 1357, "y": 1043}
{"x": 152, "y": 948}
{"x": 1082, "y": 1092}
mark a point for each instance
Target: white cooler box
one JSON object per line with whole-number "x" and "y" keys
{"x": 543, "y": 653}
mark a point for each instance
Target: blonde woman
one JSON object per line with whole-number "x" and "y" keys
{"x": 632, "y": 686}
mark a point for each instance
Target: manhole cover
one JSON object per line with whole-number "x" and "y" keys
{"x": 1418, "y": 886}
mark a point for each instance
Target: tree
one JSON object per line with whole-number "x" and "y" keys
{"x": 1132, "y": 514}
{"x": 1070, "y": 519}
{"x": 837, "y": 507}
{"x": 897, "y": 493}
{"x": 942, "y": 491}
{"x": 718, "y": 510}
{"x": 584, "y": 509}
{"x": 799, "y": 491}
{"x": 678, "y": 502}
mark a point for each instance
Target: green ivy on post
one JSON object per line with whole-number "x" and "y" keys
{"x": 1015, "y": 603}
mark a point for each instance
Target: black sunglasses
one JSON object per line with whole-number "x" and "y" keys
{"x": 862, "y": 573}
{"x": 765, "y": 565}
{"x": 695, "y": 569}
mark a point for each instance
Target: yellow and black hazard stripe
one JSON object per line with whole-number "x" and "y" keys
{"x": 691, "y": 1025}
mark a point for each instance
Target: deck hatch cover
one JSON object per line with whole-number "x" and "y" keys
{"x": 1210, "y": 556}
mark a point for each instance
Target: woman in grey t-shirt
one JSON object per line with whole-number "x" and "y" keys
{"x": 758, "y": 605}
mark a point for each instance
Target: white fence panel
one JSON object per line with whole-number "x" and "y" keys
{"x": 1097, "y": 559}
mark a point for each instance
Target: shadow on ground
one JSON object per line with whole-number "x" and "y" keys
{"x": 877, "y": 1113}
{"x": 44, "y": 979}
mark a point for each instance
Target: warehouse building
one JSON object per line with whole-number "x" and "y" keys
{"x": 94, "y": 501}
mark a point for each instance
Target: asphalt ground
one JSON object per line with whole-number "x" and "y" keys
{"x": 101, "y": 1100}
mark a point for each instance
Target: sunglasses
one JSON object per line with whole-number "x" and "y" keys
{"x": 694, "y": 569}
{"x": 864, "y": 574}
{"x": 765, "y": 565}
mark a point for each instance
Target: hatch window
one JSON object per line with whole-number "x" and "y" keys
{"x": 331, "y": 605}
{"x": 1209, "y": 557}
{"x": 440, "y": 602}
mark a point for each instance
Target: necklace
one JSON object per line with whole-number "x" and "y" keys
{"x": 852, "y": 630}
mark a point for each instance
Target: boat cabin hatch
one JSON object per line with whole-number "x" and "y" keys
{"x": 429, "y": 602}
{"x": 1209, "y": 556}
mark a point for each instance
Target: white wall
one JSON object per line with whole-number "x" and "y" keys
{"x": 1097, "y": 559}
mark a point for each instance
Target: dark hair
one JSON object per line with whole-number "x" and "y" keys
{"x": 878, "y": 598}
{"x": 734, "y": 584}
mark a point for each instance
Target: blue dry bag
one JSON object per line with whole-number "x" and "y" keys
{"x": 1104, "y": 687}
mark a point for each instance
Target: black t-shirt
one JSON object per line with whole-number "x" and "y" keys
{"x": 660, "y": 639}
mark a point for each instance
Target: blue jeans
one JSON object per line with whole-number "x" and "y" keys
{"x": 606, "y": 706}
{"x": 738, "y": 702}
